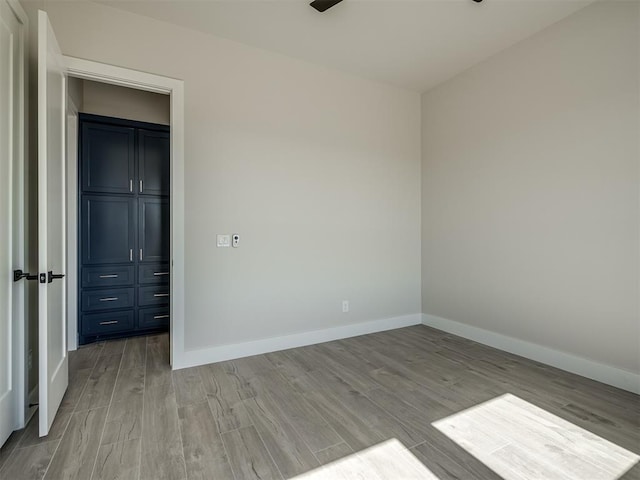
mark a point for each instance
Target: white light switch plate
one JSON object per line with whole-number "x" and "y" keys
{"x": 223, "y": 240}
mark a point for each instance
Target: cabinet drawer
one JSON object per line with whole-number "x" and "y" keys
{"x": 157, "y": 295}
{"x": 103, "y": 323}
{"x": 154, "y": 273}
{"x": 108, "y": 276}
{"x": 153, "y": 317}
{"x": 96, "y": 300}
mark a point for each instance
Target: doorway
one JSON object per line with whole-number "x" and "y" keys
{"x": 174, "y": 89}
{"x": 118, "y": 205}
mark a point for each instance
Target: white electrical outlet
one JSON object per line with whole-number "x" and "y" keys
{"x": 223, "y": 241}
{"x": 345, "y": 306}
{"x": 235, "y": 240}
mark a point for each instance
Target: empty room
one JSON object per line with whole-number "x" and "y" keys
{"x": 329, "y": 239}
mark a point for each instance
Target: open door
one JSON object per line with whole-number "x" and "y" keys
{"x": 7, "y": 406}
{"x": 12, "y": 142}
{"x": 53, "y": 368}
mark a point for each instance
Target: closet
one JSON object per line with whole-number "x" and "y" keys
{"x": 123, "y": 228}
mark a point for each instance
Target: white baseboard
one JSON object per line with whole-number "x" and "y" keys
{"x": 616, "y": 377}
{"x": 192, "y": 358}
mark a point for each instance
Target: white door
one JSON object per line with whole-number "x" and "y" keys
{"x": 53, "y": 372}
{"x": 11, "y": 216}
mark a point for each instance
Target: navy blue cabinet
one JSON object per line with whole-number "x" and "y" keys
{"x": 124, "y": 244}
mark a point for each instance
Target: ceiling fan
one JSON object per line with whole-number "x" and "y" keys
{"x": 323, "y": 5}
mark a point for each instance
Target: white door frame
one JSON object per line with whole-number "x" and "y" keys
{"x": 72, "y": 223}
{"x": 124, "y": 77}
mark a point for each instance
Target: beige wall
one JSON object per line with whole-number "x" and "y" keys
{"x": 114, "y": 101}
{"x": 318, "y": 171}
{"x": 530, "y": 191}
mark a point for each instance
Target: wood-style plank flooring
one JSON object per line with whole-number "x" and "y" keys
{"x": 126, "y": 415}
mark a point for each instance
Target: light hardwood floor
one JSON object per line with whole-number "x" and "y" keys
{"x": 126, "y": 415}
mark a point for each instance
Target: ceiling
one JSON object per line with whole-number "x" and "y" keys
{"x": 413, "y": 44}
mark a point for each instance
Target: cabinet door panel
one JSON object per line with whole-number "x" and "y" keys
{"x": 153, "y": 222}
{"x": 108, "y": 158}
{"x": 153, "y": 162}
{"x": 108, "y": 229}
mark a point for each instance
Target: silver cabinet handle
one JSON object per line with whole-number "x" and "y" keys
{"x": 110, "y": 322}
{"x": 109, "y": 299}
{"x": 160, "y": 294}
{"x": 131, "y": 185}
{"x": 157, "y": 274}
{"x": 109, "y": 276}
{"x": 140, "y": 186}
{"x": 140, "y": 254}
{"x": 156, "y": 317}
{"x": 131, "y": 254}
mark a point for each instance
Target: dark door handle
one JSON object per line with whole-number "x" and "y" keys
{"x": 53, "y": 276}
{"x": 19, "y": 275}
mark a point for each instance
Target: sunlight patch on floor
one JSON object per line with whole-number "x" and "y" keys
{"x": 518, "y": 440}
{"x": 388, "y": 460}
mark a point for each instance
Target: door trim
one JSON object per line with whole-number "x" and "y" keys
{"x": 72, "y": 224}
{"x": 124, "y": 77}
